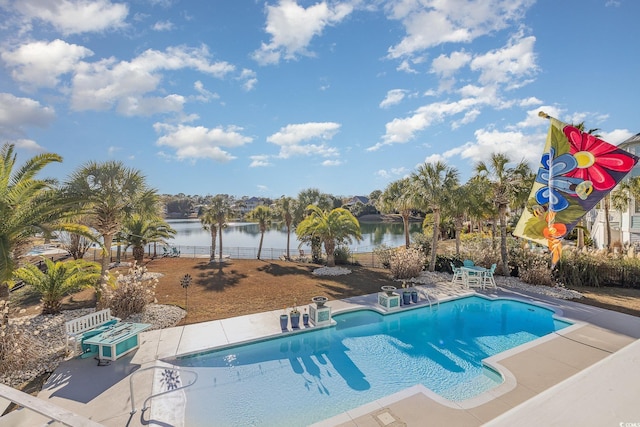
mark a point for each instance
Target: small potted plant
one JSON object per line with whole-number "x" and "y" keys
{"x": 295, "y": 316}
{"x": 284, "y": 319}
{"x": 305, "y": 318}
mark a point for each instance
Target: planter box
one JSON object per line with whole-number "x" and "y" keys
{"x": 320, "y": 316}
{"x": 389, "y": 302}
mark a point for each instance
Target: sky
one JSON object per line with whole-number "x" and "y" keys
{"x": 268, "y": 98}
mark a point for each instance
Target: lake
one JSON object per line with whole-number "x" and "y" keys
{"x": 247, "y": 235}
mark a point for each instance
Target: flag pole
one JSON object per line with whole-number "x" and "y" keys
{"x": 550, "y": 213}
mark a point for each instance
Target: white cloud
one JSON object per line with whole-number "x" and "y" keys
{"x": 431, "y": 23}
{"x": 103, "y": 84}
{"x": 334, "y": 162}
{"x": 28, "y": 144}
{"x": 163, "y": 26}
{"x": 508, "y": 64}
{"x": 41, "y": 63}
{"x": 516, "y": 145}
{"x": 136, "y": 106}
{"x": 446, "y": 66}
{"x": 292, "y": 27}
{"x": 393, "y": 172}
{"x": 250, "y": 79}
{"x": 205, "y": 95}
{"x": 394, "y": 96}
{"x": 75, "y": 16}
{"x": 616, "y": 136}
{"x": 290, "y": 139}
{"x": 403, "y": 130}
{"x": 260, "y": 160}
{"x": 199, "y": 142}
{"x": 18, "y": 113}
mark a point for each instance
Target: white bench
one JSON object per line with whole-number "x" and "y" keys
{"x": 76, "y": 327}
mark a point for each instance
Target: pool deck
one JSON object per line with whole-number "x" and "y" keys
{"x": 586, "y": 374}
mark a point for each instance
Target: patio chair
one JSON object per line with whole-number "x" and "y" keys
{"x": 487, "y": 278}
{"x": 457, "y": 275}
{"x": 468, "y": 263}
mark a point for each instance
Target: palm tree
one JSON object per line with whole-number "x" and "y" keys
{"x": 58, "y": 280}
{"x": 28, "y": 206}
{"x": 285, "y": 209}
{"x": 311, "y": 196}
{"x": 504, "y": 182}
{"x": 399, "y": 197}
{"x": 331, "y": 228}
{"x": 209, "y": 223}
{"x": 262, "y": 214}
{"x": 220, "y": 210}
{"x": 109, "y": 194}
{"x": 458, "y": 209}
{"x": 434, "y": 183}
{"x": 139, "y": 231}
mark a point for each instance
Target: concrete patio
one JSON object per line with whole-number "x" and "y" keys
{"x": 586, "y": 374}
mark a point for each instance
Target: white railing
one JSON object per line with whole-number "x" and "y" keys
{"x": 44, "y": 408}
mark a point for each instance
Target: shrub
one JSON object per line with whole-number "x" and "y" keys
{"x": 406, "y": 263}
{"x": 130, "y": 294}
{"x": 421, "y": 242}
{"x": 16, "y": 347}
{"x": 383, "y": 253}
{"x": 342, "y": 254}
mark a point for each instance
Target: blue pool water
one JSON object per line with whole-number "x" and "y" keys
{"x": 303, "y": 378}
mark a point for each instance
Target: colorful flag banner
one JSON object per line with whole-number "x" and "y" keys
{"x": 576, "y": 171}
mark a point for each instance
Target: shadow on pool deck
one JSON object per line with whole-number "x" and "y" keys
{"x": 532, "y": 370}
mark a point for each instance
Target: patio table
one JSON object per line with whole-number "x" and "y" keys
{"x": 117, "y": 341}
{"x": 472, "y": 275}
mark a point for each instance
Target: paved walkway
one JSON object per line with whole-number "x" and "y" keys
{"x": 578, "y": 371}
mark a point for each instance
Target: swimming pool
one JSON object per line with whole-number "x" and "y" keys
{"x": 299, "y": 379}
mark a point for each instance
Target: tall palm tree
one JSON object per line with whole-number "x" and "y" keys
{"x": 210, "y": 224}
{"x": 399, "y": 197}
{"x": 458, "y": 209}
{"x": 504, "y": 182}
{"x": 332, "y": 228}
{"x": 58, "y": 279}
{"x": 139, "y": 231}
{"x": 109, "y": 193}
{"x": 285, "y": 210}
{"x": 28, "y": 206}
{"x": 221, "y": 211}
{"x": 262, "y": 214}
{"x": 434, "y": 183}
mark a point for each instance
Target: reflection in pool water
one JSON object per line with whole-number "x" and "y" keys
{"x": 303, "y": 378}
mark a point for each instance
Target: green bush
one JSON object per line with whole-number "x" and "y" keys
{"x": 342, "y": 254}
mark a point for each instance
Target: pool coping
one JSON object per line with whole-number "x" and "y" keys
{"x": 107, "y": 399}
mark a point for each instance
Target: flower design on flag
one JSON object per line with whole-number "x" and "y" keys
{"x": 553, "y": 174}
{"x": 595, "y": 159}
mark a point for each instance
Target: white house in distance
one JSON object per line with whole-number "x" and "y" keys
{"x": 625, "y": 226}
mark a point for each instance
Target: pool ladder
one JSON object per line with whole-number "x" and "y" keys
{"x": 425, "y": 294}
{"x": 174, "y": 377}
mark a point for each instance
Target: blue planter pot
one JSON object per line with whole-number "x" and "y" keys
{"x": 305, "y": 319}
{"x": 284, "y": 321}
{"x": 295, "y": 321}
{"x": 414, "y": 296}
{"x": 406, "y": 298}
